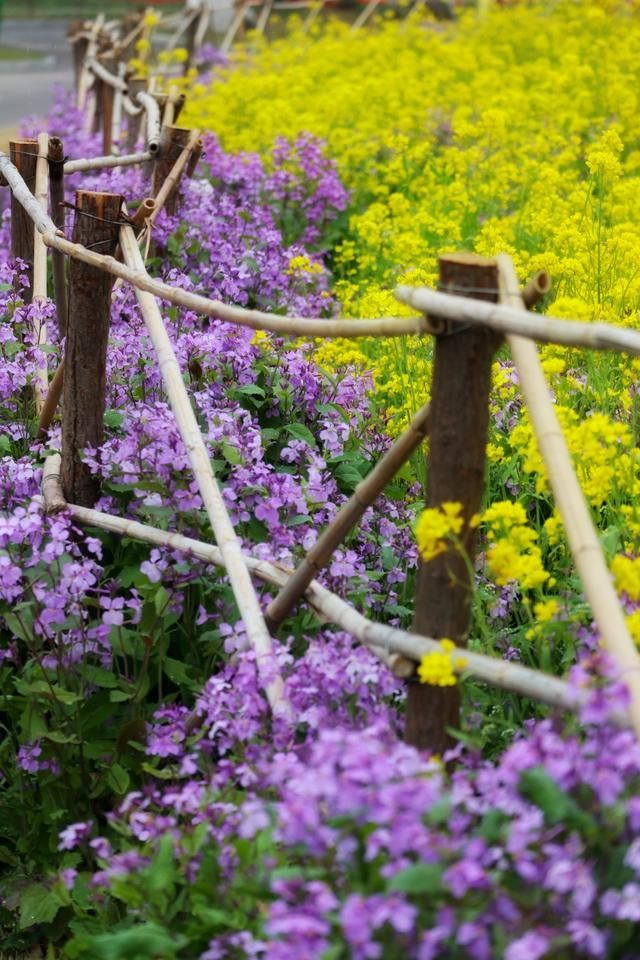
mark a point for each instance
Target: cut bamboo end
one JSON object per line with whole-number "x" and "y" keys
{"x": 54, "y": 501}
{"x": 535, "y": 289}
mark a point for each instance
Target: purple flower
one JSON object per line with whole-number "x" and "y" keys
{"x": 74, "y": 834}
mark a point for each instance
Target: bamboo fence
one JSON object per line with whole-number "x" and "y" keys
{"x": 438, "y": 313}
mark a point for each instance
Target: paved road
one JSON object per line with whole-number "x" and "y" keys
{"x": 26, "y": 86}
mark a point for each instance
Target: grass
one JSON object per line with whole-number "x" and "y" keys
{"x": 13, "y": 53}
{"x": 79, "y": 8}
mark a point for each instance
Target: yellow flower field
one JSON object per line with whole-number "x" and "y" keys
{"x": 515, "y": 131}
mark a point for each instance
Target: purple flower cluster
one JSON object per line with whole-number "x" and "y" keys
{"x": 131, "y": 695}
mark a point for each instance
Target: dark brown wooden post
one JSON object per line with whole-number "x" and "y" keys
{"x": 95, "y": 226}
{"x": 23, "y": 155}
{"x": 79, "y": 46}
{"x": 135, "y": 86}
{"x": 56, "y": 200}
{"x": 455, "y": 472}
{"x": 172, "y": 143}
{"x": 107, "y": 93}
{"x": 97, "y": 89}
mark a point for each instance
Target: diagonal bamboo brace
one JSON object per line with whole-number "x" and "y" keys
{"x": 581, "y": 534}
{"x": 365, "y": 494}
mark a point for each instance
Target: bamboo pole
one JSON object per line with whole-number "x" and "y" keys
{"x": 51, "y": 402}
{"x": 505, "y": 674}
{"x": 314, "y": 11}
{"x": 177, "y": 152}
{"x": 56, "y": 200}
{"x": 175, "y": 148}
{"x": 152, "y": 112}
{"x": 535, "y": 289}
{"x": 108, "y": 77}
{"x": 52, "y": 495}
{"x": 248, "y": 605}
{"x": 366, "y": 14}
{"x": 84, "y": 80}
{"x": 201, "y": 28}
{"x": 265, "y": 13}
{"x": 102, "y": 163}
{"x": 365, "y": 494}
{"x": 183, "y": 24}
{"x": 509, "y": 319}
{"x": 234, "y": 26}
{"x": 41, "y": 192}
{"x": 84, "y": 384}
{"x": 581, "y": 534}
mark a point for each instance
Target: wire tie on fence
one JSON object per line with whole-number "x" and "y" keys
{"x": 452, "y": 288}
{"x": 124, "y": 218}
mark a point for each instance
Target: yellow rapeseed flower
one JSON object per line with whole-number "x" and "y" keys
{"x": 439, "y": 668}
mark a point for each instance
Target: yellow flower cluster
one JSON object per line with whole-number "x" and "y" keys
{"x": 439, "y": 154}
{"x": 626, "y": 575}
{"x": 439, "y": 668}
{"x": 512, "y": 552}
{"x": 303, "y": 265}
{"x": 435, "y": 528}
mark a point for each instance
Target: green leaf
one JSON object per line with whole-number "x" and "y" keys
{"x": 38, "y": 905}
{"x": 231, "y": 454}
{"x": 119, "y": 696}
{"x": 162, "y": 871}
{"x": 250, "y": 390}
{"x": 113, "y": 418}
{"x": 143, "y": 941}
{"x": 100, "y": 677}
{"x": 161, "y": 600}
{"x": 558, "y": 808}
{"x": 300, "y": 432}
{"x": 348, "y": 477}
{"x": 118, "y": 779}
{"x": 178, "y": 672}
{"x": 17, "y": 626}
{"x": 46, "y": 691}
{"x": 419, "y": 878}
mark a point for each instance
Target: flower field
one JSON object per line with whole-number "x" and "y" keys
{"x": 152, "y": 804}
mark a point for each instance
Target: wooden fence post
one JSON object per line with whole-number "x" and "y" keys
{"x": 56, "y": 200}
{"x": 455, "y": 472}
{"x": 106, "y": 93}
{"x": 135, "y": 86}
{"x": 24, "y": 156}
{"x": 96, "y": 226}
{"x": 172, "y": 143}
{"x": 79, "y": 44}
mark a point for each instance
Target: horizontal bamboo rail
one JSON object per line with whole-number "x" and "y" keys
{"x": 103, "y": 163}
{"x": 101, "y": 72}
{"x": 581, "y": 534}
{"x": 505, "y": 674}
{"x": 510, "y": 319}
